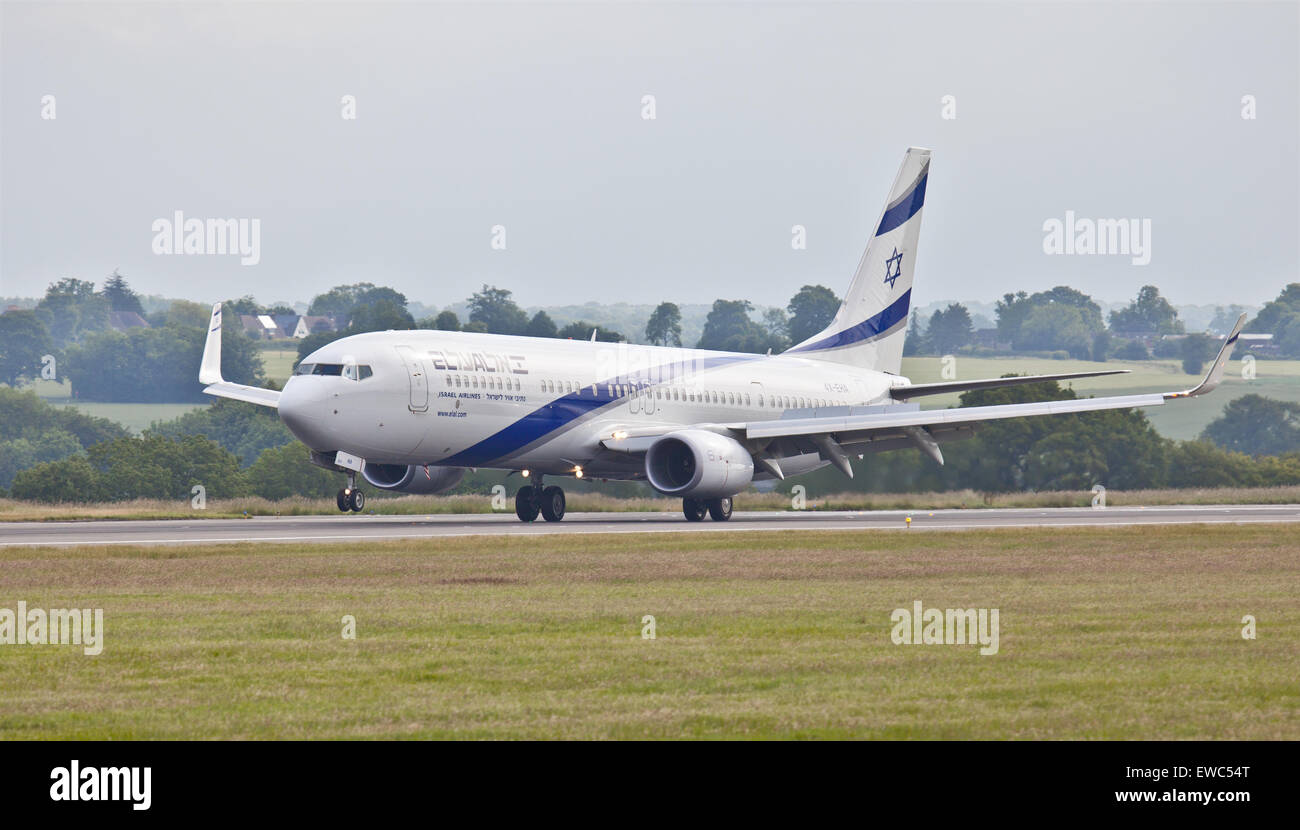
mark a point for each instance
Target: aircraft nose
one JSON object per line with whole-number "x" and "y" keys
{"x": 300, "y": 411}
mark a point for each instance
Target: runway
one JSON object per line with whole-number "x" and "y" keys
{"x": 350, "y": 528}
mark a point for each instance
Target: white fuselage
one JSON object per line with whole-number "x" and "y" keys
{"x": 464, "y": 399}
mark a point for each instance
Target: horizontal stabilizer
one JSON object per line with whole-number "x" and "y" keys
{"x": 248, "y": 394}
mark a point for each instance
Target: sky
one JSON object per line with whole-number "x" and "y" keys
{"x": 509, "y": 144}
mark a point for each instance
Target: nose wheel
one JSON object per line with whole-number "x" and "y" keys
{"x": 350, "y": 499}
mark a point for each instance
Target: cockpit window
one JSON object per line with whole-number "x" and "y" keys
{"x": 319, "y": 369}
{"x": 352, "y": 371}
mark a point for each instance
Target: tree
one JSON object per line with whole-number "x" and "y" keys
{"x": 71, "y": 309}
{"x": 494, "y": 308}
{"x": 24, "y": 340}
{"x": 1133, "y": 350}
{"x": 1271, "y": 315}
{"x": 950, "y": 329}
{"x": 131, "y": 468}
{"x": 581, "y": 330}
{"x": 155, "y": 365}
{"x": 1196, "y": 349}
{"x": 1117, "y": 448}
{"x": 729, "y": 328}
{"x": 1015, "y": 310}
{"x": 244, "y": 305}
{"x": 664, "y": 328}
{"x": 1149, "y": 313}
{"x": 382, "y": 314}
{"x": 1225, "y": 318}
{"x": 541, "y": 326}
{"x": 1256, "y": 425}
{"x": 811, "y": 310}
{"x": 914, "y": 342}
{"x": 182, "y": 313}
{"x": 777, "y": 326}
{"x": 447, "y": 321}
{"x": 343, "y": 300}
{"x": 1101, "y": 346}
{"x": 119, "y": 295}
{"x": 1055, "y": 326}
{"x": 1281, "y": 318}
{"x": 284, "y": 471}
{"x": 243, "y": 430}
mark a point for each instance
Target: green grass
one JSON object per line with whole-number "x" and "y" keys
{"x": 278, "y": 360}
{"x": 1105, "y": 633}
{"x": 1179, "y": 419}
{"x": 134, "y": 416}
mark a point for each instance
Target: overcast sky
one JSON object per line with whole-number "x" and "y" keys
{"x": 530, "y": 117}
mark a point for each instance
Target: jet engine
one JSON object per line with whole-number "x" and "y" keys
{"x": 698, "y": 463}
{"x": 412, "y": 479}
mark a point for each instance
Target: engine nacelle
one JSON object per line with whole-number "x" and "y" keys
{"x": 412, "y": 479}
{"x": 698, "y": 463}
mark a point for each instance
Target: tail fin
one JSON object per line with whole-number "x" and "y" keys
{"x": 869, "y": 328}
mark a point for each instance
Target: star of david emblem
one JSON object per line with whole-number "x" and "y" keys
{"x": 893, "y": 268}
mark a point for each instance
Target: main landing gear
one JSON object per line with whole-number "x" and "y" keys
{"x": 535, "y": 499}
{"x": 350, "y": 498}
{"x": 695, "y": 509}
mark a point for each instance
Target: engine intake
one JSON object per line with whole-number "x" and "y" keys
{"x": 698, "y": 463}
{"x": 412, "y": 479}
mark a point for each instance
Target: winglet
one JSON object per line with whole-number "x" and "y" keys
{"x": 1215, "y": 375}
{"x": 210, "y": 368}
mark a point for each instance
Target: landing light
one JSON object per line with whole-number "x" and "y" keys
{"x": 524, "y": 473}
{"x": 620, "y": 435}
{"x": 577, "y": 472}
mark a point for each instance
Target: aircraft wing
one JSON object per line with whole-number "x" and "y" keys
{"x": 892, "y": 426}
{"x": 210, "y": 371}
{"x": 916, "y": 390}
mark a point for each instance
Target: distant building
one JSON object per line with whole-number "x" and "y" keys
{"x": 125, "y": 320}
{"x": 311, "y": 324}
{"x": 260, "y": 327}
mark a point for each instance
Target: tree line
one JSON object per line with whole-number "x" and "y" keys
{"x": 51, "y": 454}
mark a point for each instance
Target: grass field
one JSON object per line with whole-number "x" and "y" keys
{"x": 278, "y": 360}
{"x": 12, "y": 510}
{"x": 1181, "y": 419}
{"x": 1104, "y": 633}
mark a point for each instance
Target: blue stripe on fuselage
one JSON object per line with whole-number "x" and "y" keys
{"x": 569, "y": 408}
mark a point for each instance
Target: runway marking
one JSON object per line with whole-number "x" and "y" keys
{"x": 406, "y": 527}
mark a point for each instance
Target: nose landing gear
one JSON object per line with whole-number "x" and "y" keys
{"x": 350, "y": 498}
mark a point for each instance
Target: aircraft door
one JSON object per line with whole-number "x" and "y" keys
{"x": 415, "y": 370}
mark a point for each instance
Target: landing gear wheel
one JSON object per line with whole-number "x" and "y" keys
{"x": 526, "y": 507}
{"x": 720, "y": 509}
{"x": 695, "y": 509}
{"x": 342, "y": 501}
{"x": 552, "y": 504}
{"x": 356, "y": 501}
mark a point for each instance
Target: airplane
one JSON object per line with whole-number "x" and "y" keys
{"x": 411, "y": 411}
